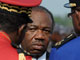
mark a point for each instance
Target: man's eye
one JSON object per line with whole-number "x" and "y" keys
{"x": 32, "y": 29}
{"x": 47, "y": 31}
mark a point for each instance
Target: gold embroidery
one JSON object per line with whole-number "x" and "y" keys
{"x": 16, "y": 9}
{"x": 59, "y": 43}
{"x": 6, "y": 35}
{"x": 72, "y": 4}
{"x": 21, "y": 56}
{"x": 26, "y": 52}
{"x": 69, "y": 35}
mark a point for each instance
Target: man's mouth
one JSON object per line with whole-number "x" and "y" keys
{"x": 38, "y": 47}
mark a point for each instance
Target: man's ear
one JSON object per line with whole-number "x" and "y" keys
{"x": 76, "y": 21}
{"x": 21, "y": 33}
{"x": 78, "y": 16}
{"x": 21, "y": 29}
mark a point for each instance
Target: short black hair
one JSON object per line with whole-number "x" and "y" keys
{"x": 10, "y": 21}
{"x": 49, "y": 12}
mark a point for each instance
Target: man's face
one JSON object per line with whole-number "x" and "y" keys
{"x": 38, "y": 33}
{"x": 76, "y": 21}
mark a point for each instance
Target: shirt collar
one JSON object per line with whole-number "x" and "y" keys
{"x": 43, "y": 57}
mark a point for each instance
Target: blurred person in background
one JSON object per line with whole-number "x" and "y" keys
{"x": 60, "y": 32}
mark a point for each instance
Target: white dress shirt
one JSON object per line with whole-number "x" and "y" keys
{"x": 43, "y": 57}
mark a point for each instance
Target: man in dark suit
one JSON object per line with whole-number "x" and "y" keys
{"x": 38, "y": 33}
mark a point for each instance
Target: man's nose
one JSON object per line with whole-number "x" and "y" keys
{"x": 40, "y": 35}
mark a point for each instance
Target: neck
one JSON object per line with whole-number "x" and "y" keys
{"x": 37, "y": 55}
{"x": 10, "y": 36}
{"x": 13, "y": 36}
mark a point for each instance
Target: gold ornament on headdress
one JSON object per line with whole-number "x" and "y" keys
{"x": 72, "y": 4}
{"x": 16, "y": 9}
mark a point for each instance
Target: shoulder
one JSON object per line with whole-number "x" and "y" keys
{"x": 8, "y": 52}
{"x": 65, "y": 40}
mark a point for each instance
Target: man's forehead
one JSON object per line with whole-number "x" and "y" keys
{"x": 39, "y": 25}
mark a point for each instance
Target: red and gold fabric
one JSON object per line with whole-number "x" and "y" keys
{"x": 7, "y": 52}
